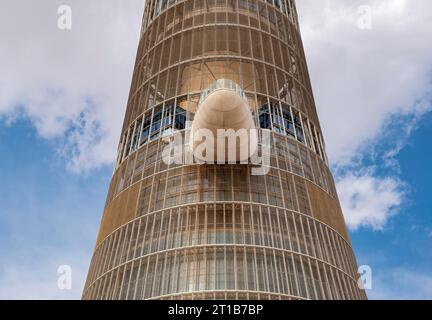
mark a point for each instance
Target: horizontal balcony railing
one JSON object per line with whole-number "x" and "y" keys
{"x": 222, "y": 84}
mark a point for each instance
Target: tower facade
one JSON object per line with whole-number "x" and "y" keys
{"x": 196, "y": 230}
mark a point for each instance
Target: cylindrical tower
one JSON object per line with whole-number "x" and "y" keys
{"x": 216, "y": 231}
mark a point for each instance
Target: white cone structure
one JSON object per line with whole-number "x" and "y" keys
{"x": 223, "y": 129}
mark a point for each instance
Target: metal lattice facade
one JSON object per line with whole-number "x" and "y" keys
{"x": 216, "y": 231}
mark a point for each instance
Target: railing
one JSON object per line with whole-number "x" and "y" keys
{"x": 220, "y": 84}
{"x": 156, "y": 7}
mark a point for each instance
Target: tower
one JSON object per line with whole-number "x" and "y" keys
{"x": 194, "y": 230}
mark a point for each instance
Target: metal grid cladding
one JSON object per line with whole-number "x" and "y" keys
{"x": 216, "y": 231}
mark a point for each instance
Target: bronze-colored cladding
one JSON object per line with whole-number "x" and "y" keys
{"x": 119, "y": 212}
{"x": 327, "y": 209}
{"x": 216, "y": 231}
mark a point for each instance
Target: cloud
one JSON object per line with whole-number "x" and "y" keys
{"x": 368, "y": 201}
{"x": 72, "y": 85}
{"x": 362, "y": 78}
{"x": 401, "y": 284}
{"x": 49, "y": 75}
{"x": 38, "y": 279}
{"x": 372, "y": 87}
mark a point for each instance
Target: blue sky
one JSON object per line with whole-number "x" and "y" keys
{"x": 62, "y": 100}
{"x": 400, "y": 254}
{"x": 48, "y": 217}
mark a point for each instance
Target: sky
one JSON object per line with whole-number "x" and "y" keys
{"x": 63, "y": 95}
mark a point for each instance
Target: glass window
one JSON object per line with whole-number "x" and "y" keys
{"x": 168, "y": 119}
{"x": 156, "y": 123}
{"x": 240, "y": 270}
{"x": 250, "y": 260}
{"x": 137, "y": 134}
{"x": 288, "y": 120}
{"x": 264, "y": 117}
{"x": 220, "y": 270}
{"x": 145, "y": 128}
{"x": 230, "y": 282}
{"x": 122, "y": 148}
{"x": 276, "y": 117}
{"x": 299, "y": 128}
{"x": 261, "y": 271}
{"x": 315, "y": 140}
{"x": 128, "y": 143}
{"x": 180, "y": 118}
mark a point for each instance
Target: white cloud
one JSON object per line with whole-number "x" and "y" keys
{"x": 48, "y": 74}
{"x": 38, "y": 279}
{"x": 401, "y": 284}
{"x": 365, "y": 80}
{"x": 368, "y": 201}
{"x": 72, "y": 85}
{"x": 363, "y": 77}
